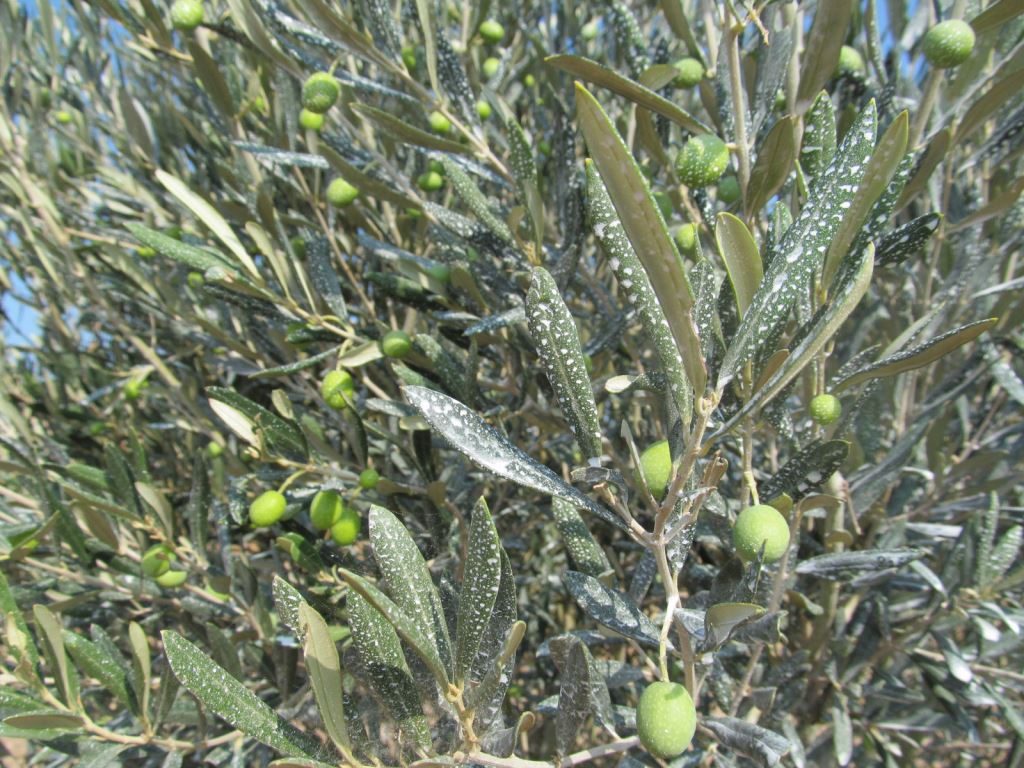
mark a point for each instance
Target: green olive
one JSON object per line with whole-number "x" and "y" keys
{"x": 340, "y": 193}
{"x": 656, "y": 467}
{"x": 757, "y": 526}
{"x": 337, "y": 388}
{"x": 346, "y": 529}
{"x": 325, "y": 509}
{"x": 267, "y": 509}
{"x": 666, "y": 719}
{"x": 320, "y": 91}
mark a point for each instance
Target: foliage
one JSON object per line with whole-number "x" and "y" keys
{"x": 202, "y": 292}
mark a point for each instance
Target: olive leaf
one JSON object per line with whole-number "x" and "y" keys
{"x": 587, "y": 555}
{"x": 484, "y": 445}
{"x": 559, "y": 350}
{"x": 229, "y": 699}
{"x": 742, "y": 259}
{"x": 324, "y": 668}
{"x": 808, "y": 469}
{"x": 407, "y": 580}
{"x": 480, "y": 584}
{"x": 801, "y": 251}
{"x": 612, "y": 609}
{"x": 841, "y": 566}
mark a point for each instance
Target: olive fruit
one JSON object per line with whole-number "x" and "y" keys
{"x": 267, "y": 509}
{"x": 686, "y": 238}
{"x": 196, "y": 280}
{"x": 439, "y": 123}
{"x": 948, "y": 43}
{"x": 145, "y": 252}
{"x": 340, "y": 193}
{"x": 310, "y": 120}
{"x": 430, "y": 181}
{"x": 589, "y": 30}
{"x": 336, "y": 388}
{"x": 483, "y": 109}
{"x": 761, "y": 525}
{"x": 491, "y": 31}
{"x": 825, "y": 409}
{"x": 851, "y": 63}
{"x": 213, "y": 450}
{"x": 665, "y": 719}
{"x": 396, "y": 344}
{"x": 409, "y": 57}
{"x": 656, "y": 467}
{"x": 702, "y": 160}
{"x": 346, "y": 529}
{"x": 133, "y": 388}
{"x": 490, "y": 67}
{"x": 368, "y": 479}
{"x": 320, "y": 91}
{"x": 691, "y": 72}
{"x": 171, "y": 579}
{"x": 728, "y": 189}
{"x": 325, "y": 509}
{"x": 63, "y": 117}
{"x": 157, "y": 560}
{"x": 529, "y": 81}
{"x": 186, "y": 15}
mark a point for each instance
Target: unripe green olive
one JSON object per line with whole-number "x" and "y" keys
{"x": 213, "y": 450}
{"x": 157, "y": 560}
{"x": 267, "y": 509}
{"x": 529, "y": 81}
{"x": 490, "y": 67}
{"x": 340, "y": 193}
{"x": 728, "y": 189}
{"x": 186, "y": 15}
{"x": 825, "y": 409}
{"x": 346, "y": 529}
{"x": 196, "y": 280}
{"x": 172, "y": 579}
{"x": 336, "y": 388}
{"x": 851, "y": 63}
{"x": 431, "y": 181}
{"x": 948, "y": 44}
{"x": 320, "y": 91}
{"x": 310, "y": 120}
{"x": 145, "y": 252}
{"x": 702, "y": 160}
{"x": 409, "y": 57}
{"x": 656, "y": 467}
{"x": 368, "y": 479}
{"x": 665, "y": 719}
{"x": 439, "y": 123}
{"x": 691, "y": 72}
{"x": 544, "y": 146}
{"x": 589, "y": 30}
{"x": 491, "y": 31}
{"x": 440, "y": 272}
{"x": 396, "y": 344}
{"x": 761, "y": 525}
{"x": 483, "y": 109}
{"x": 63, "y": 117}
{"x": 325, "y": 509}
{"x": 686, "y": 238}
{"x": 133, "y": 388}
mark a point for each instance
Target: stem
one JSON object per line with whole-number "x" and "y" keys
{"x": 576, "y": 758}
{"x": 931, "y": 93}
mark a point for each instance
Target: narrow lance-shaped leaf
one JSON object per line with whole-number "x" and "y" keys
{"x": 773, "y": 165}
{"x": 765, "y": 747}
{"x": 95, "y": 662}
{"x": 14, "y": 620}
{"x": 807, "y": 470}
{"x": 279, "y": 433}
{"x": 583, "y": 691}
{"x": 406, "y": 628}
{"x": 741, "y": 257}
{"x": 480, "y": 582}
{"x": 324, "y": 669}
{"x": 800, "y": 253}
{"x": 587, "y": 555}
{"x": 824, "y": 42}
{"x": 559, "y": 349}
{"x": 52, "y": 636}
{"x": 524, "y": 169}
{"x": 196, "y": 258}
{"x": 380, "y": 653}
{"x": 897, "y": 245}
{"x": 406, "y": 579}
{"x": 474, "y": 198}
{"x": 636, "y": 284}
{"x": 229, "y": 699}
{"x": 819, "y": 141}
{"x": 645, "y": 227}
{"x": 885, "y": 160}
{"x": 920, "y": 355}
{"x": 595, "y": 73}
{"x": 823, "y": 328}
{"x": 408, "y": 133}
{"x": 612, "y": 609}
{"x": 490, "y": 449}
{"x": 846, "y": 565}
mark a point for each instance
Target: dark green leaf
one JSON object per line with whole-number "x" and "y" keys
{"x": 480, "y": 582}
{"x": 587, "y": 555}
{"x": 842, "y": 566}
{"x": 764, "y": 747}
{"x": 612, "y": 609}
